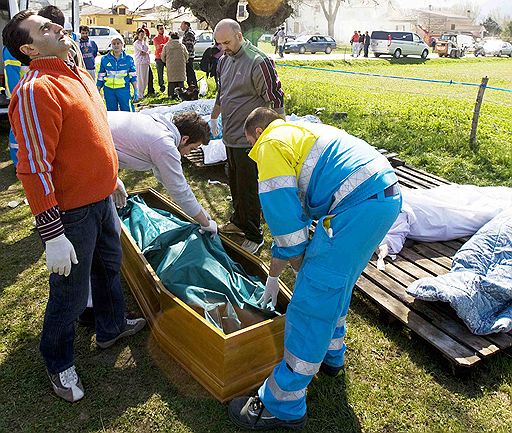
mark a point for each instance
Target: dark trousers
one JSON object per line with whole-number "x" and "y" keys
{"x": 366, "y": 50}
{"x": 191, "y": 74}
{"x": 151, "y": 88}
{"x": 243, "y": 183}
{"x": 160, "y": 73}
{"x": 94, "y": 232}
{"x": 171, "y": 86}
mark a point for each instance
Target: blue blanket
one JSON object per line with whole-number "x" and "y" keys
{"x": 479, "y": 285}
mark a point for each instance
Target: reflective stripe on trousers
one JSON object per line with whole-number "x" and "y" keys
{"x": 315, "y": 318}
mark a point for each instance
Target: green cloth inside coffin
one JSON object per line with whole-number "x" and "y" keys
{"x": 195, "y": 267}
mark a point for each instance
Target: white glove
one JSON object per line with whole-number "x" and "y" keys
{"x": 271, "y": 291}
{"x": 214, "y": 127}
{"x": 60, "y": 253}
{"x": 211, "y": 228}
{"x": 119, "y": 195}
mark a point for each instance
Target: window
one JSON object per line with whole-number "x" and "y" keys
{"x": 121, "y": 11}
{"x": 129, "y": 21}
{"x": 452, "y": 26}
{"x": 111, "y": 20}
{"x": 241, "y": 10}
{"x": 103, "y": 31}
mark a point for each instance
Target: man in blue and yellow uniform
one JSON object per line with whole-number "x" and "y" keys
{"x": 313, "y": 172}
{"x": 13, "y": 71}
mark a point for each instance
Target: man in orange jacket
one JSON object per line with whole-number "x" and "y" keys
{"x": 68, "y": 179}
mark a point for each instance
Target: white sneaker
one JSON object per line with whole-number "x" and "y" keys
{"x": 251, "y": 247}
{"x": 67, "y": 385}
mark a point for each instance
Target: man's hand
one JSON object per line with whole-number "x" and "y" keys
{"x": 120, "y": 195}
{"x": 214, "y": 127}
{"x": 211, "y": 228}
{"x": 271, "y": 291}
{"x": 60, "y": 253}
{"x": 135, "y": 95}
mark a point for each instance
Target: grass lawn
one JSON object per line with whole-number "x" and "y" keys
{"x": 393, "y": 382}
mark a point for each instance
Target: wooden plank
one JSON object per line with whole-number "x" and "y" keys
{"x": 411, "y": 268}
{"x": 418, "y": 181}
{"x": 419, "y": 172}
{"x": 423, "y": 262}
{"x": 452, "y": 327}
{"x": 449, "y": 347}
{"x": 431, "y": 254}
{"x": 442, "y": 248}
{"x": 424, "y": 176}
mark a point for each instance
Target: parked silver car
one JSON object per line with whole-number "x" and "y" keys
{"x": 204, "y": 40}
{"x": 497, "y": 47}
{"x": 398, "y": 44}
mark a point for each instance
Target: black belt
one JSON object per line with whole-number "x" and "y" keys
{"x": 390, "y": 191}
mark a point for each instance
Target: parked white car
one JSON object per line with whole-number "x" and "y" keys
{"x": 102, "y": 35}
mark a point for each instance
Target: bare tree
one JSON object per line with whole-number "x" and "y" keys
{"x": 330, "y": 10}
{"x": 212, "y": 11}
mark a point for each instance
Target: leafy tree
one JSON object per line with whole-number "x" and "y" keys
{"x": 212, "y": 11}
{"x": 507, "y": 30}
{"x": 491, "y": 26}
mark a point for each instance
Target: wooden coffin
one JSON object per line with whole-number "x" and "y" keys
{"x": 227, "y": 365}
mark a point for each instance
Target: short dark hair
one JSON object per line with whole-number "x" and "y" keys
{"x": 53, "y": 13}
{"x": 186, "y": 23}
{"x": 139, "y": 31}
{"x": 83, "y": 29}
{"x": 14, "y": 37}
{"x": 174, "y": 35}
{"x": 192, "y": 124}
{"x": 260, "y": 118}
{"x": 159, "y": 25}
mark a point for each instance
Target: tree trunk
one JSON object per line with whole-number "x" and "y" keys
{"x": 212, "y": 11}
{"x": 331, "y": 12}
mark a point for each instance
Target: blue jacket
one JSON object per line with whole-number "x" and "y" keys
{"x": 116, "y": 73}
{"x": 89, "y": 51}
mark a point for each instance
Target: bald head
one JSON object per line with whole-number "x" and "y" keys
{"x": 229, "y": 35}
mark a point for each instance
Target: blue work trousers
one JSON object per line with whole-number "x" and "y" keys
{"x": 118, "y": 99}
{"x": 13, "y": 148}
{"x": 94, "y": 232}
{"x": 315, "y": 318}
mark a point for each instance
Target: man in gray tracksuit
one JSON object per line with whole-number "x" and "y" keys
{"x": 247, "y": 80}
{"x": 157, "y": 142}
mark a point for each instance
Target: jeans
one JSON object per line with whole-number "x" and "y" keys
{"x": 243, "y": 183}
{"x": 94, "y": 232}
{"x": 160, "y": 73}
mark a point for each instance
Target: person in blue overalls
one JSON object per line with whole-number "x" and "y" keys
{"x": 313, "y": 172}
{"x": 116, "y": 73}
{"x": 13, "y": 71}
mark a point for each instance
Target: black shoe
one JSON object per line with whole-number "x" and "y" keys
{"x": 250, "y": 413}
{"x": 329, "y": 370}
{"x": 87, "y": 318}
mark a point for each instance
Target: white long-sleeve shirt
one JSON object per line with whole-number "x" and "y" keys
{"x": 150, "y": 142}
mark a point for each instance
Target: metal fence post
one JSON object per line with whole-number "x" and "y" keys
{"x": 473, "y": 145}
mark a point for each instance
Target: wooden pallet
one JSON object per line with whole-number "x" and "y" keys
{"x": 435, "y": 322}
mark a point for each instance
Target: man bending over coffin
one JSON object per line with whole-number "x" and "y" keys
{"x": 306, "y": 172}
{"x": 156, "y": 142}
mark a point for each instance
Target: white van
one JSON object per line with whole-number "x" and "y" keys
{"x": 398, "y": 44}
{"x": 102, "y": 36}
